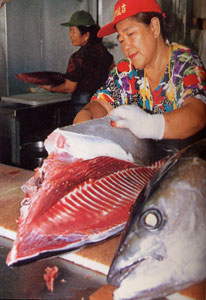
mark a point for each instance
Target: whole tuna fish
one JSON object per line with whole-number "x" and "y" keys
{"x": 163, "y": 247}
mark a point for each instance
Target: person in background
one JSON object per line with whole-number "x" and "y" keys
{"x": 2, "y": 2}
{"x": 159, "y": 90}
{"x": 202, "y": 42}
{"x": 88, "y": 68}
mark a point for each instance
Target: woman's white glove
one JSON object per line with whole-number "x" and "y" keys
{"x": 140, "y": 123}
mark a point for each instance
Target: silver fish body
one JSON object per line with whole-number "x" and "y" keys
{"x": 143, "y": 151}
{"x": 163, "y": 246}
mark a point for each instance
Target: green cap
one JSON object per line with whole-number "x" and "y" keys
{"x": 80, "y": 18}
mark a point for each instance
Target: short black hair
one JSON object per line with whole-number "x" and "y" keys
{"x": 93, "y": 30}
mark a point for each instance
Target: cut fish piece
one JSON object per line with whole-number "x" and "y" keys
{"x": 69, "y": 145}
{"x": 42, "y": 78}
{"x": 76, "y": 203}
{"x": 50, "y": 274}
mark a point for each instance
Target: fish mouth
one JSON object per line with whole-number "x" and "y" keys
{"x": 115, "y": 277}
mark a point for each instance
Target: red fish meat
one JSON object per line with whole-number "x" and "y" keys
{"x": 71, "y": 202}
{"x": 49, "y": 277}
{"x": 42, "y": 78}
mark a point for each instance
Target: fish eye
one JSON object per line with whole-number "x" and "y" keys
{"x": 151, "y": 219}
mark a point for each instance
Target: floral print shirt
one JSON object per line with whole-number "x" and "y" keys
{"x": 184, "y": 77}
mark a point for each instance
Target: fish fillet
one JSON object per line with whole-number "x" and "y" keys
{"x": 42, "y": 78}
{"x": 70, "y": 201}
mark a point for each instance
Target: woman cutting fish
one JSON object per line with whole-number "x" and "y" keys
{"x": 164, "y": 83}
{"x": 88, "y": 67}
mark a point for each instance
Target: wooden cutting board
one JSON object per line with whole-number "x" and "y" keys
{"x": 97, "y": 257}
{"x": 11, "y": 195}
{"x": 197, "y": 292}
{"x": 12, "y": 178}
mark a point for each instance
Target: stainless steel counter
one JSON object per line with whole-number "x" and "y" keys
{"x": 40, "y": 98}
{"x": 26, "y": 281}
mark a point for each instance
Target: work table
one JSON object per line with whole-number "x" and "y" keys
{"x": 74, "y": 282}
{"x": 26, "y": 281}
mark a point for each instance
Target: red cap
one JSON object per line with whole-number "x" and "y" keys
{"x": 127, "y": 8}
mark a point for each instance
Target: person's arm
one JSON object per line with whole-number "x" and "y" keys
{"x": 92, "y": 110}
{"x": 100, "y": 104}
{"x": 185, "y": 121}
{"x": 67, "y": 87}
{"x": 180, "y": 123}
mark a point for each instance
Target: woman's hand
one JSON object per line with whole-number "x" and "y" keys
{"x": 141, "y": 124}
{"x": 46, "y": 87}
{"x": 180, "y": 123}
{"x": 66, "y": 87}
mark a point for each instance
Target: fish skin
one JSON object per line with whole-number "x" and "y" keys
{"x": 143, "y": 151}
{"x": 69, "y": 145}
{"x": 151, "y": 264}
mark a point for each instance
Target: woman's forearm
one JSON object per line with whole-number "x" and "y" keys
{"x": 59, "y": 89}
{"x": 185, "y": 121}
{"x": 82, "y": 116}
{"x": 92, "y": 110}
{"x": 66, "y": 87}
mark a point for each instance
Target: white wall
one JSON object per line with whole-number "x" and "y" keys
{"x": 105, "y": 17}
{"x": 3, "y": 54}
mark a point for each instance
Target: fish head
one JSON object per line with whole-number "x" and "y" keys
{"x": 163, "y": 246}
{"x": 142, "y": 240}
